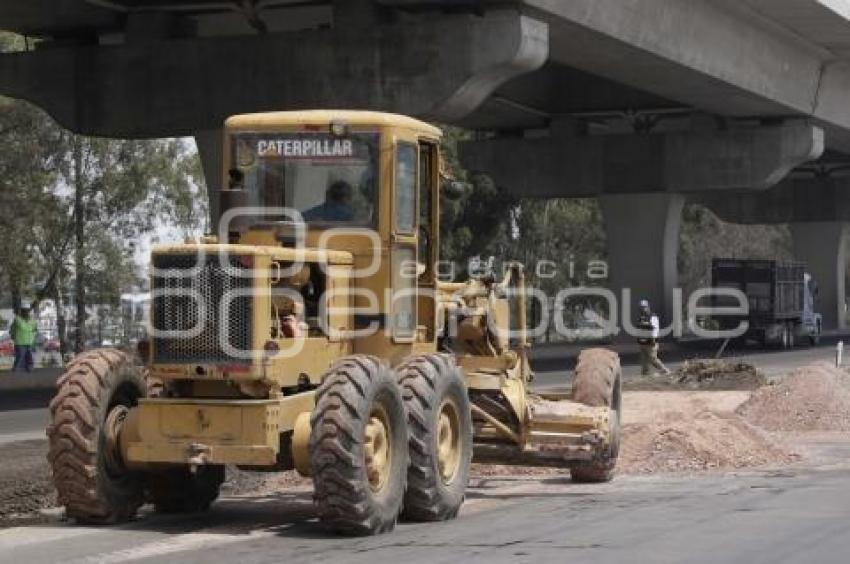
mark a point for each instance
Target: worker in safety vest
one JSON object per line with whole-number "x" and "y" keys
{"x": 23, "y": 332}
{"x": 648, "y": 340}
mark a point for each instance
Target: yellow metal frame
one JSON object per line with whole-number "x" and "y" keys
{"x": 245, "y": 432}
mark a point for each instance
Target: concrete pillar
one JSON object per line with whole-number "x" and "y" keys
{"x": 643, "y": 246}
{"x": 211, "y": 150}
{"x": 822, "y": 245}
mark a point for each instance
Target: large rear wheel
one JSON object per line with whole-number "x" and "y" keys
{"x": 93, "y": 399}
{"x": 439, "y": 421}
{"x": 358, "y": 447}
{"x": 598, "y": 383}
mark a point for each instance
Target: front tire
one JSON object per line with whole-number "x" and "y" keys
{"x": 598, "y": 383}
{"x": 93, "y": 399}
{"x": 358, "y": 447}
{"x": 439, "y": 421}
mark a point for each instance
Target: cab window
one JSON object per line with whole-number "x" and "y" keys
{"x": 405, "y": 188}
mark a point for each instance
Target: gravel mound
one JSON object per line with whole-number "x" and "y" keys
{"x": 705, "y": 440}
{"x": 814, "y": 398}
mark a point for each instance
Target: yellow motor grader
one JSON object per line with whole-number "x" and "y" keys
{"x": 313, "y": 332}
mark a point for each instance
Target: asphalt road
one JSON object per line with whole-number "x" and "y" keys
{"x": 788, "y": 516}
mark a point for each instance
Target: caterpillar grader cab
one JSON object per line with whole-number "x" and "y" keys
{"x": 312, "y": 332}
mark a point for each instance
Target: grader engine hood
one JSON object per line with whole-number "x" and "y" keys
{"x": 217, "y": 310}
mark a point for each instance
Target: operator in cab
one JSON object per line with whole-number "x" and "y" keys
{"x": 337, "y": 205}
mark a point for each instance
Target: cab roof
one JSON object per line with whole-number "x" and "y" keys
{"x": 273, "y": 120}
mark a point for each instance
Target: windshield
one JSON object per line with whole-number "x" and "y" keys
{"x": 330, "y": 180}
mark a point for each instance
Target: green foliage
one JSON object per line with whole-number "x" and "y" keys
{"x": 126, "y": 189}
{"x": 27, "y": 174}
{"x": 704, "y": 236}
{"x": 476, "y": 224}
{"x": 129, "y": 186}
{"x": 488, "y": 221}
{"x": 566, "y": 234}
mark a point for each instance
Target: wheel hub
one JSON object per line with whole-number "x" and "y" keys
{"x": 377, "y": 450}
{"x": 112, "y": 431}
{"x": 448, "y": 441}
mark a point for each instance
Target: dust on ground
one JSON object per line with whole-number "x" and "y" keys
{"x": 703, "y": 374}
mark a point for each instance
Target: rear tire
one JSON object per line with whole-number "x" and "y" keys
{"x": 439, "y": 421}
{"x": 358, "y": 447}
{"x": 178, "y": 490}
{"x": 598, "y": 383}
{"x": 93, "y": 399}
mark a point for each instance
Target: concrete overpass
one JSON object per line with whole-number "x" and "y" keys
{"x": 642, "y": 103}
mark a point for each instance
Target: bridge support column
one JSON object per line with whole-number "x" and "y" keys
{"x": 211, "y": 150}
{"x": 643, "y": 246}
{"x": 823, "y": 246}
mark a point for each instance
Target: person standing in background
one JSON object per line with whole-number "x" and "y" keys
{"x": 23, "y": 331}
{"x": 648, "y": 323}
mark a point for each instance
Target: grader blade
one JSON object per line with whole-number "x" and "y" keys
{"x": 558, "y": 433}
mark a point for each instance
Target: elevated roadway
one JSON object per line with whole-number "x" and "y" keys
{"x": 644, "y": 104}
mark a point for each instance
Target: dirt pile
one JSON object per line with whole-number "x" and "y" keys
{"x": 717, "y": 374}
{"x": 815, "y": 398}
{"x": 704, "y": 374}
{"x": 705, "y": 440}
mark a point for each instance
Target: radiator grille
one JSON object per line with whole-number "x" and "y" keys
{"x": 188, "y": 297}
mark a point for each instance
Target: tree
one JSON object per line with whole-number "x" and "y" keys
{"x": 72, "y": 209}
{"x": 704, "y": 236}
{"x": 27, "y": 173}
{"x": 120, "y": 189}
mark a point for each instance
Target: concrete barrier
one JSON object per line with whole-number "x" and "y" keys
{"x": 38, "y": 379}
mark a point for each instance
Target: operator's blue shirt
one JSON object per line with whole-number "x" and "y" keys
{"x": 329, "y": 211}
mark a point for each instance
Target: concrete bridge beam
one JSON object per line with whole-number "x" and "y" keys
{"x": 795, "y": 200}
{"x": 642, "y": 182}
{"x": 643, "y": 246}
{"x": 823, "y": 246}
{"x": 754, "y": 158}
{"x": 439, "y": 67}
